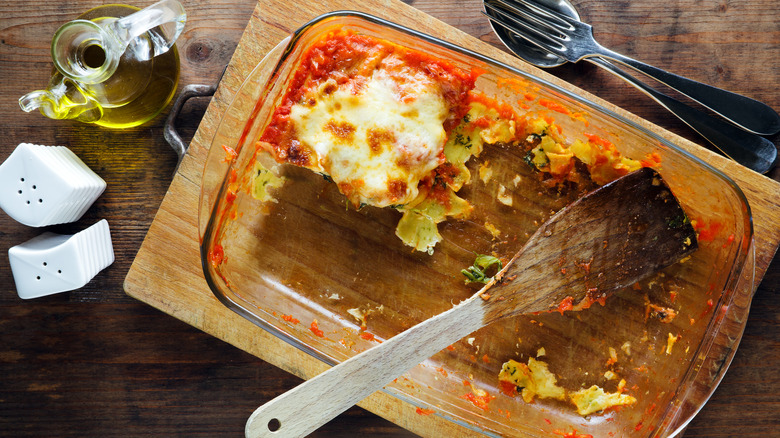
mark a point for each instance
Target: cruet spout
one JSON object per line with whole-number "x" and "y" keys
{"x": 163, "y": 20}
{"x": 64, "y": 100}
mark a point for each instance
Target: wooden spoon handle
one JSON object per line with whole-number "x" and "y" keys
{"x": 313, "y": 403}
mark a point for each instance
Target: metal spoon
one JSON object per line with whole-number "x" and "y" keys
{"x": 750, "y": 150}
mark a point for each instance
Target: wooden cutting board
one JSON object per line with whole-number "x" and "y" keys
{"x": 166, "y": 273}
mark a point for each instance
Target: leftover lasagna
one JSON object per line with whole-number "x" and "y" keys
{"x": 394, "y": 127}
{"x": 535, "y": 380}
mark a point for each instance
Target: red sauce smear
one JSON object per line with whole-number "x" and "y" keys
{"x": 572, "y": 434}
{"x": 566, "y": 304}
{"x": 652, "y": 160}
{"x": 290, "y": 319}
{"x": 216, "y": 255}
{"x": 706, "y": 309}
{"x": 508, "y": 388}
{"x": 554, "y": 106}
{"x": 478, "y": 401}
{"x": 369, "y": 337}
{"x": 230, "y": 153}
{"x": 595, "y": 139}
{"x": 421, "y": 411}
{"x": 707, "y": 231}
{"x": 315, "y": 328}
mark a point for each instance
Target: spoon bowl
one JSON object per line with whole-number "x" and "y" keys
{"x": 522, "y": 48}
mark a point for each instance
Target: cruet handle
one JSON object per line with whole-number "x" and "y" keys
{"x": 168, "y": 16}
{"x": 63, "y": 99}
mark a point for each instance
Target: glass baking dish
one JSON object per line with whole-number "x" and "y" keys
{"x": 333, "y": 281}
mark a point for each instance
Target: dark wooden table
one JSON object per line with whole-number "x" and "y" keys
{"x": 95, "y": 362}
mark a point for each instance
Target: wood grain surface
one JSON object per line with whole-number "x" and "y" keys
{"x": 96, "y": 362}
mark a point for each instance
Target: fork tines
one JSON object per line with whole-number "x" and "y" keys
{"x": 535, "y": 12}
{"x": 535, "y": 23}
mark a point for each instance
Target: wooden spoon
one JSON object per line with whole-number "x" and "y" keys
{"x": 609, "y": 239}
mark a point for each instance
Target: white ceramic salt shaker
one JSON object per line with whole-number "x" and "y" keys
{"x": 47, "y": 185}
{"x": 52, "y": 263}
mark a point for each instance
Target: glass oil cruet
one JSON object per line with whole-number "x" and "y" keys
{"x": 115, "y": 66}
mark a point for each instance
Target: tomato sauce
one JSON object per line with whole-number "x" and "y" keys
{"x": 349, "y": 59}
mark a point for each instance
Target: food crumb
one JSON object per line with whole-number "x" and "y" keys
{"x": 663, "y": 314}
{"x": 612, "y": 356}
{"x": 594, "y": 399}
{"x": 492, "y": 229}
{"x": 504, "y": 197}
{"x": 670, "y": 341}
{"x": 534, "y": 378}
{"x": 356, "y": 313}
{"x": 485, "y": 172}
{"x": 360, "y": 316}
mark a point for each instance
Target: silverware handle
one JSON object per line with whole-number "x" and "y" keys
{"x": 749, "y": 114}
{"x": 750, "y": 150}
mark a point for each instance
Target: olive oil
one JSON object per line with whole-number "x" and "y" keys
{"x": 116, "y": 65}
{"x": 140, "y": 89}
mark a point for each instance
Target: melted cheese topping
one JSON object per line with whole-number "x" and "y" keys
{"x": 376, "y": 144}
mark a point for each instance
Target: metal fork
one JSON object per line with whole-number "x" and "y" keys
{"x": 573, "y": 40}
{"x": 750, "y": 150}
